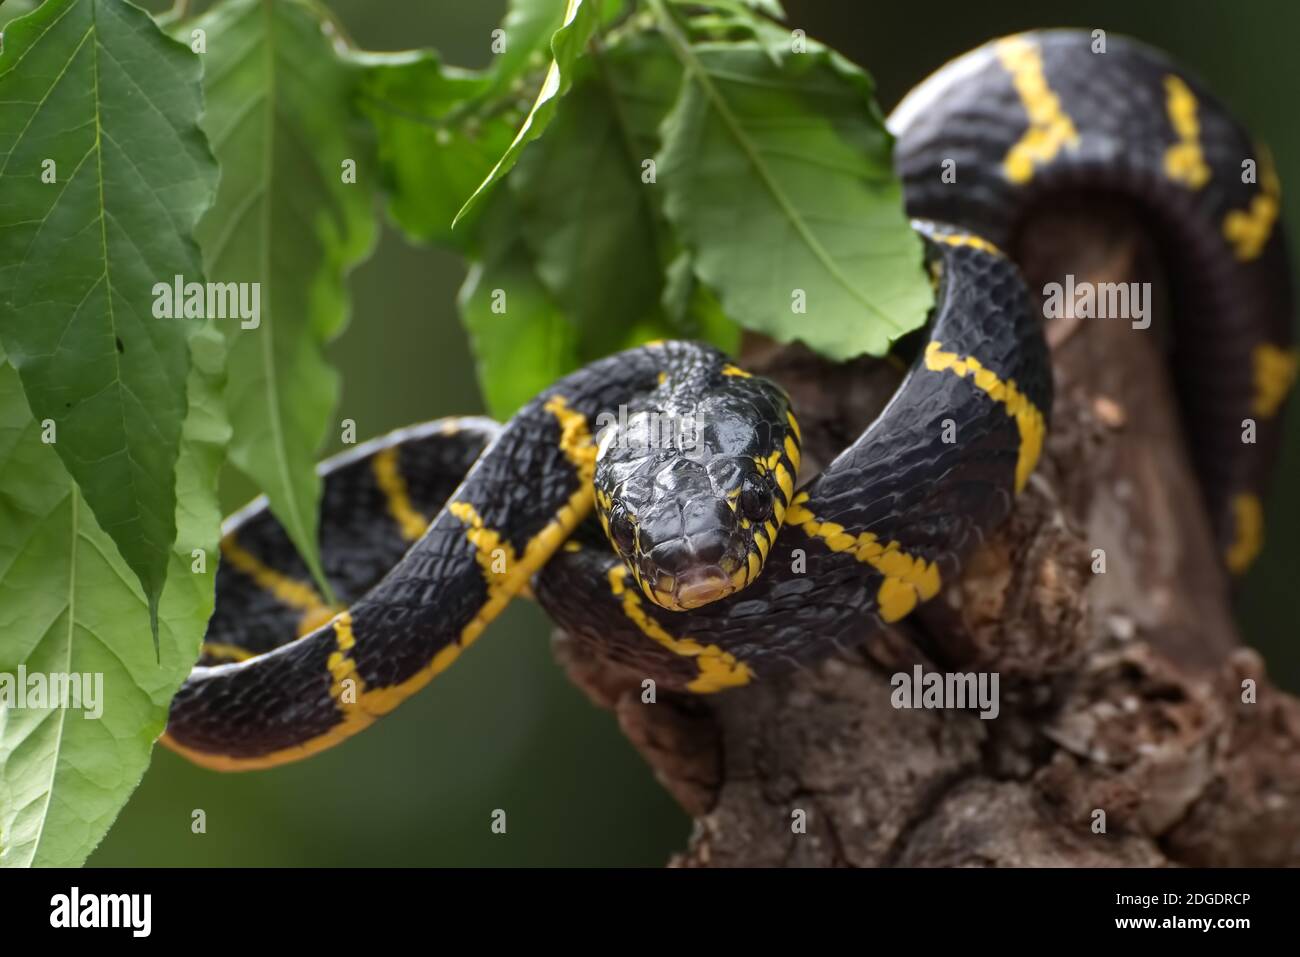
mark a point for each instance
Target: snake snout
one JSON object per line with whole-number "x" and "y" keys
{"x": 694, "y": 568}
{"x": 684, "y": 579}
{"x": 700, "y": 586}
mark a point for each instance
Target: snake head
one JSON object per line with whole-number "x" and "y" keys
{"x": 687, "y": 485}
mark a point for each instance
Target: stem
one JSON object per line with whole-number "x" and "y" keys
{"x": 179, "y": 11}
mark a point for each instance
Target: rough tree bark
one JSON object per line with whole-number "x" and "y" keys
{"x": 1120, "y": 691}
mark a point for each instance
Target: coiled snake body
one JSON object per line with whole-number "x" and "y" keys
{"x": 712, "y": 570}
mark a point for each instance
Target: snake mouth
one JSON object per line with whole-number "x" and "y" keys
{"x": 699, "y": 586}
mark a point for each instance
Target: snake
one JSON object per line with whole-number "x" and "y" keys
{"x": 652, "y": 501}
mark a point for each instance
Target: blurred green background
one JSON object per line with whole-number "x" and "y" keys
{"x": 503, "y": 729}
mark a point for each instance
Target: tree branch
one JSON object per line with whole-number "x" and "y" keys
{"x": 1121, "y": 692}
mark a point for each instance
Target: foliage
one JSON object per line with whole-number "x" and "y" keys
{"x": 692, "y": 169}
{"x": 622, "y": 171}
{"x": 94, "y": 94}
{"x": 289, "y": 218}
{"x": 70, "y": 605}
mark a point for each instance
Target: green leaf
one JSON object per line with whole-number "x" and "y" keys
{"x": 70, "y": 606}
{"x": 279, "y": 115}
{"x": 778, "y": 179}
{"x": 104, "y": 172}
{"x": 521, "y": 341}
{"x": 527, "y": 30}
{"x": 693, "y": 310}
{"x": 433, "y": 150}
{"x": 585, "y": 207}
{"x": 579, "y": 23}
{"x": 15, "y": 9}
{"x": 441, "y": 130}
{"x": 591, "y": 274}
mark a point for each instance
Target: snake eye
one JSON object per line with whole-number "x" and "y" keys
{"x": 755, "y": 499}
{"x": 621, "y": 530}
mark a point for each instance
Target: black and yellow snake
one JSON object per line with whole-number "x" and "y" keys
{"x": 726, "y": 566}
